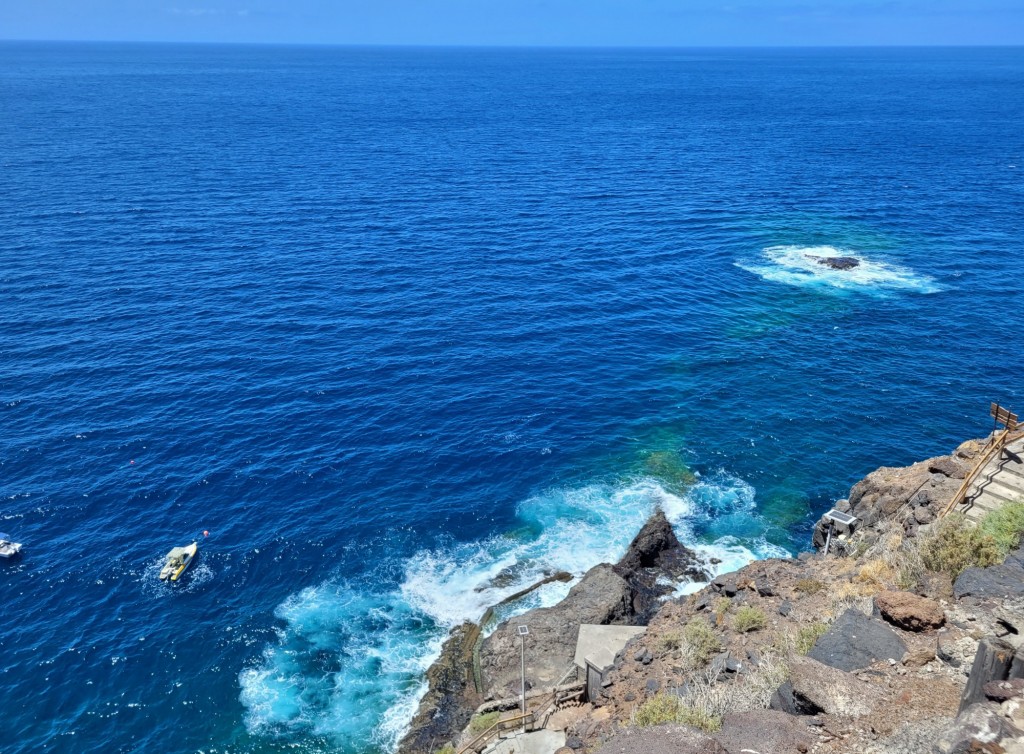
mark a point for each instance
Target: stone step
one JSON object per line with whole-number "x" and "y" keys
{"x": 1013, "y": 470}
{"x": 977, "y": 507}
{"x": 1010, "y": 478}
{"x": 986, "y": 504}
{"x": 990, "y": 477}
{"x": 977, "y": 496}
{"x": 997, "y": 489}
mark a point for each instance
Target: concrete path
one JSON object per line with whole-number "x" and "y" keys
{"x": 538, "y": 742}
{"x": 1001, "y": 481}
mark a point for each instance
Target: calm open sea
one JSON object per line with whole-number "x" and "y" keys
{"x": 389, "y": 323}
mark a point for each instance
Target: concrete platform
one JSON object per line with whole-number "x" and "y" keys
{"x": 538, "y": 742}
{"x": 600, "y": 644}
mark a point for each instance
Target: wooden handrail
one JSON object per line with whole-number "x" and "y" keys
{"x": 489, "y": 733}
{"x": 988, "y": 455}
{"x": 546, "y": 700}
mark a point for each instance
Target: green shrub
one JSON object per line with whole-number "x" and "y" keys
{"x": 701, "y": 641}
{"x": 749, "y": 619}
{"x": 721, "y": 607}
{"x": 809, "y": 586}
{"x": 700, "y": 719}
{"x": 670, "y": 640}
{"x": 658, "y": 710}
{"x": 446, "y": 749}
{"x": 1005, "y": 526}
{"x": 668, "y": 708}
{"x": 953, "y": 545}
{"x": 807, "y": 635}
{"x": 480, "y": 723}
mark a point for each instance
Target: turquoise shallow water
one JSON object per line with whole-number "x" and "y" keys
{"x": 390, "y": 323}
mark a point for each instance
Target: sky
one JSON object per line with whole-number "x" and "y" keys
{"x": 523, "y": 22}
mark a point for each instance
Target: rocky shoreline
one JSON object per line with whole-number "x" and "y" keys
{"x": 867, "y": 652}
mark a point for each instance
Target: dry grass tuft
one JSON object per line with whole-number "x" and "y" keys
{"x": 705, "y": 701}
{"x": 670, "y": 640}
{"x": 669, "y": 708}
{"x": 808, "y": 586}
{"x": 807, "y": 636}
{"x": 857, "y": 595}
{"x": 877, "y": 573}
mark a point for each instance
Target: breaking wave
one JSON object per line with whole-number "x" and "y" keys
{"x": 799, "y": 266}
{"x": 350, "y": 660}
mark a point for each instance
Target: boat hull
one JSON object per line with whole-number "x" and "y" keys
{"x": 9, "y": 549}
{"x": 178, "y": 561}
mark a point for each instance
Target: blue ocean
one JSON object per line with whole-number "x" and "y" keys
{"x": 406, "y": 329}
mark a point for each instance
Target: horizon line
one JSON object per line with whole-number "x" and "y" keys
{"x": 523, "y": 46}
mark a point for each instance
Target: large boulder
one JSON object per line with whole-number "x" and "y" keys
{"x": 831, "y": 690}
{"x": 949, "y": 466}
{"x": 661, "y": 739}
{"x": 884, "y": 491}
{"x": 601, "y": 597}
{"x": 996, "y": 582}
{"x": 855, "y": 641}
{"x": 924, "y": 487}
{"x": 649, "y": 545}
{"x": 910, "y": 612}
{"x": 766, "y": 732}
{"x": 980, "y": 728}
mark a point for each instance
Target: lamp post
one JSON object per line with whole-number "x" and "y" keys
{"x": 523, "y": 632}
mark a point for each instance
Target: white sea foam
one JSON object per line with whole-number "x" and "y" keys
{"x": 797, "y": 265}
{"x": 350, "y": 661}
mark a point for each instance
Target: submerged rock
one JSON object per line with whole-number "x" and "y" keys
{"x": 836, "y": 263}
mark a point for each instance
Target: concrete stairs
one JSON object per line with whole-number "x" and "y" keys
{"x": 1000, "y": 482}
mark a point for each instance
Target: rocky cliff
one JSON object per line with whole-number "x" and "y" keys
{"x": 472, "y": 669}
{"x": 871, "y": 652}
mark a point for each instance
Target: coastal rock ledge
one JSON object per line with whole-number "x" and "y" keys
{"x": 470, "y": 670}
{"x": 868, "y": 652}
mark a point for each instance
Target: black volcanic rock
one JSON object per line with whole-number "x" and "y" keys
{"x": 656, "y": 552}
{"x": 836, "y": 263}
{"x": 995, "y": 582}
{"x": 855, "y": 641}
{"x": 645, "y": 551}
{"x": 449, "y": 703}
